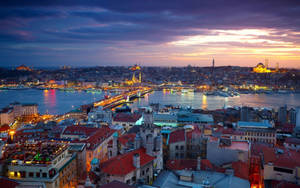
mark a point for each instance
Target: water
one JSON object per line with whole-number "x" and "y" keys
{"x": 198, "y": 100}
{"x": 51, "y": 101}
{"x": 59, "y": 102}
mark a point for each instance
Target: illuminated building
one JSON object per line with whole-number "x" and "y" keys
{"x": 23, "y": 68}
{"x": 49, "y": 164}
{"x": 135, "y": 80}
{"x": 261, "y": 68}
{"x": 264, "y": 68}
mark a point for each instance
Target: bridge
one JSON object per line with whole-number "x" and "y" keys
{"x": 122, "y": 98}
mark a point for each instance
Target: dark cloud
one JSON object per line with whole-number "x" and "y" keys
{"x": 27, "y": 13}
{"x": 141, "y": 21}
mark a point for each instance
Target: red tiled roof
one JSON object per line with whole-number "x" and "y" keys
{"x": 241, "y": 169}
{"x": 116, "y": 184}
{"x": 127, "y": 117}
{"x": 123, "y": 164}
{"x": 124, "y": 139}
{"x": 288, "y": 159}
{"x": 4, "y": 128}
{"x": 80, "y": 130}
{"x": 177, "y": 136}
{"x": 189, "y": 164}
{"x": 98, "y": 137}
{"x": 8, "y": 183}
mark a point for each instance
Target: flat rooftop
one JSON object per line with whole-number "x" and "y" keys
{"x": 32, "y": 153}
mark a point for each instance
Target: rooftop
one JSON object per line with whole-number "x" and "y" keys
{"x": 127, "y": 117}
{"x": 33, "y": 154}
{"x": 80, "y": 130}
{"x": 123, "y": 164}
{"x": 251, "y": 124}
{"x": 98, "y": 137}
{"x": 280, "y": 157}
{"x": 199, "y": 178}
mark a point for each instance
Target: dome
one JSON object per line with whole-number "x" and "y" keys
{"x": 260, "y": 65}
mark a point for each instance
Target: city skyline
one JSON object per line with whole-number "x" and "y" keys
{"x": 169, "y": 33}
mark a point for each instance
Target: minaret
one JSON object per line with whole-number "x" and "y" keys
{"x": 140, "y": 77}
{"x": 133, "y": 78}
{"x": 212, "y": 70}
{"x": 266, "y": 63}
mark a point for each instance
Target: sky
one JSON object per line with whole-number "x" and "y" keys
{"x": 149, "y": 32}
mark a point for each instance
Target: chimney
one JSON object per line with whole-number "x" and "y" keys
{"x": 198, "y": 163}
{"x": 136, "y": 160}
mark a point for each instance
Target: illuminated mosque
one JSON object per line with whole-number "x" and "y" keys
{"x": 263, "y": 68}
{"x": 134, "y": 80}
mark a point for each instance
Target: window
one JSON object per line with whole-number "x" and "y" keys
{"x": 181, "y": 155}
{"x": 289, "y": 171}
{"x": 30, "y": 174}
{"x": 133, "y": 179}
{"x": 44, "y": 175}
{"x": 177, "y": 147}
{"x": 128, "y": 181}
{"x": 38, "y": 174}
{"x": 176, "y": 155}
{"x": 181, "y": 147}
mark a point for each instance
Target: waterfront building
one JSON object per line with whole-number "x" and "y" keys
{"x": 6, "y": 116}
{"x": 101, "y": 116}
{"x": 46, "y": 164}
{"x": 179, "y": 117}
{"x": 24, "y": 109}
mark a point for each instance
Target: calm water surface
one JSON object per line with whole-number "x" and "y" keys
{"x": 198, "y": 100}
{"x": 59, "y": 102}
{"x": 51, "y": 101}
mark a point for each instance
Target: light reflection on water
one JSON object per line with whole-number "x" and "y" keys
{"x": 59, "y": 102}
{"x": 51, "y": 101}
{"x": 198, "y": 100}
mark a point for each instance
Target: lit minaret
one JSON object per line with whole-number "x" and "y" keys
{"x": 266, "y": 63}
{"x": 212, "y": 71}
